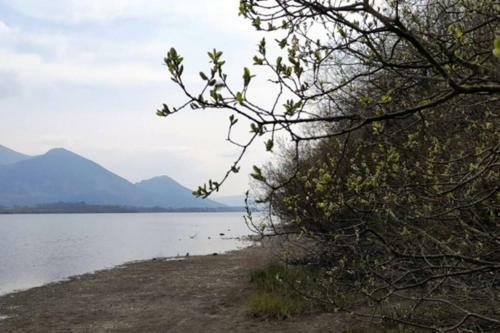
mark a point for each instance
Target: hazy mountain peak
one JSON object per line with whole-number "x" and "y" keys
{"x": 168, "y": 190}
{"x": 160, "y": 180}
{"x": 162, "y": 185}
{"x": 9, "y": 156}
{"x": 64, "y": 156}
{"x": 60, "y": 152}
{"x": 58, "y": 149}
{"x": 157, "y": 178}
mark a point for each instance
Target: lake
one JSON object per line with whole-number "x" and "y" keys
{"x": 38, "y": 249}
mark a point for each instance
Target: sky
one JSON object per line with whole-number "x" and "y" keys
{"x": 89, "y": 75}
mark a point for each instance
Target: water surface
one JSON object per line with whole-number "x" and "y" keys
{"x": 38, "y": 249}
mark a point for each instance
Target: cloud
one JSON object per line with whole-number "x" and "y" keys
{"x": 32, "y": 68}
{"x": 76, "y": 55}
{"x": 4, "y": 29}
{"x": 9, "y": 85}
{"x": 57, "y": 58}
{"x": 76, "y": 11}
{"x": 220, "y": 13}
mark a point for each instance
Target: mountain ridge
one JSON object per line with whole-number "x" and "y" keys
{"x": 61, "y": 175}
{"x": 9, "y": 156}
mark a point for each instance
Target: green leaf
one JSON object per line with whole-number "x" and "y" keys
{"x": 291, "y": 107}
{"x": 256, "y": 23}
{"x": 257, "y": 174}
{"x": 258, "y": 61}
{"x": 282, "y": 43}
{"x": 262, "y": 47}
{"x": 203, "y": 76}
{"x": 239, "y": 97}
{"x": 246, "y": 77}
{"x": 279, "y": 62}
{"x": 317, "y": 55}
{"x": 496, "y": 50}
{"x": 164, "y": 112}
{"x": 219, "y": 86}
{"x": 233, "y": 120}
{"x": 201, "y": 191}
{"x": 269, "y": 145}
{"x": 405, "y": 232}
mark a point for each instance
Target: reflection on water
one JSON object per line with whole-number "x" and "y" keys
{"x": 37, "y": 249}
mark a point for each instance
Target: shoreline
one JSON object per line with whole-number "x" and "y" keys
{"x": 79, "y": 276}
{"x": 55, "y": 212}
{"x": 197, "y": 293}
{"x": 125, "y": 264}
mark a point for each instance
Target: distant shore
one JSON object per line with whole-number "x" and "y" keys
{"x": 83, "y": 208}
{"x": 192, "y": 294}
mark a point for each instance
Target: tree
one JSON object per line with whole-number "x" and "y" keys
{"x": 407, "y": 209}
{"x": 392, "y": 111}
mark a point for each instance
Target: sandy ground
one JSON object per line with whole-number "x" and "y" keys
{"x": 198, "y": 294}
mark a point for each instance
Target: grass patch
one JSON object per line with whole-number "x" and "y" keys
{"x": 267, "y": 305}
{"x": 284, "y": 290}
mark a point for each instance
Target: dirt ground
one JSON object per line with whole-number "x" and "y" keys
{"x": 197, "y": 294}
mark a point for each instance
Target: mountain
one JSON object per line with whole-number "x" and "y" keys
{"x": 169, "y": 193}
{"x": 9, "y": 156}
{"x": 63, "y": 176}
{"x": 60, "y": 175}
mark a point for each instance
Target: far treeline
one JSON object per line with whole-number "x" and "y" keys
{"x": 387, "y": 115}
{"x": 84, "y": 208}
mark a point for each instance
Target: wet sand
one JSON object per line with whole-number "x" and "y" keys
{"x": 197, "y": 294}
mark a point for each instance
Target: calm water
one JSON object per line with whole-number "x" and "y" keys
{"x": 37, "y": 249}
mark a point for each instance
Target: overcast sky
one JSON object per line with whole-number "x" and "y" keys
{"x": 87, "y": 75}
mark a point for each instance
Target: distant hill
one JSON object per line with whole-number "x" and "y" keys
{"x": 63, "y": 176}
{"x": 169, "y": 193}
{"x": 9, "y": 156}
